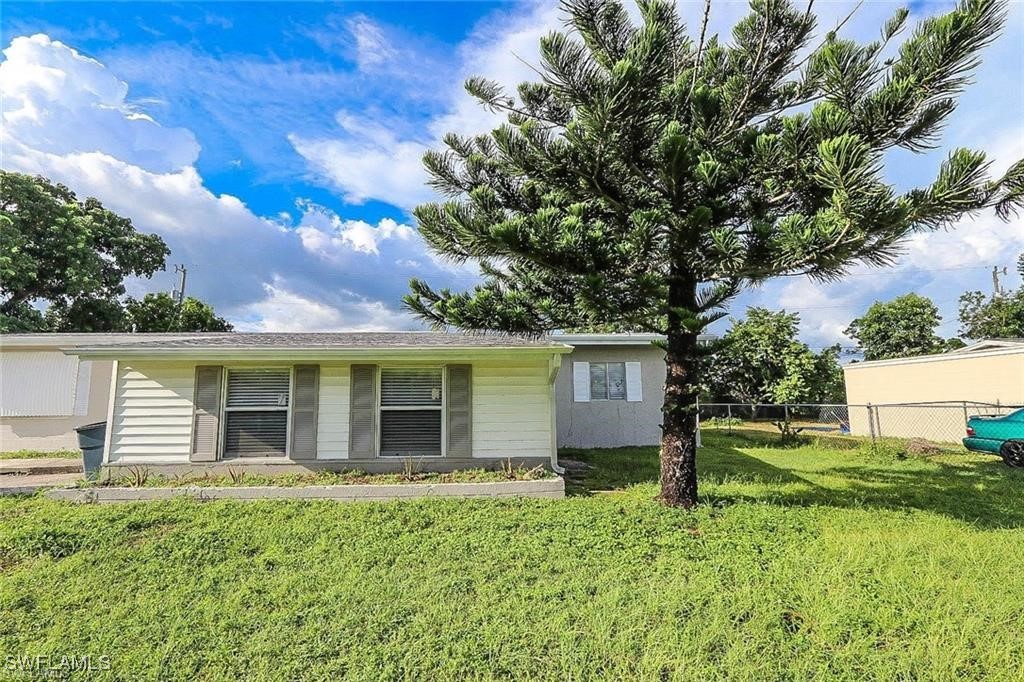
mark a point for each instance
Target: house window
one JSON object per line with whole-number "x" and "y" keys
{"x": 410, "y": 411}
{"x": 256, "y": 412}
{"x": 607, "y": 381}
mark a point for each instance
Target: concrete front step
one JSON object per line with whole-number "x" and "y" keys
{"x": 42, "y": 465}
{"x": 17, "y": 484}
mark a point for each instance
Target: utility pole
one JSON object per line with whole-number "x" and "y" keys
{"x": 179, "y": 294}
{"x": 997, "y": 288}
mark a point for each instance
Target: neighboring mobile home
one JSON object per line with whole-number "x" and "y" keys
{"x": 930, "y": 396}
{"x": 368, "y": 401}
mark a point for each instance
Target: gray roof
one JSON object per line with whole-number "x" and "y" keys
{"x": 328, "y": 341}
{"x": 331, "y": 340}
{"x": 618, "y": 339}
{"x": 63, "y": 339}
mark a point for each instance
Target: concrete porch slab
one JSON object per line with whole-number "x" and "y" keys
{"x": 546, "y": 488}
{"x": 15, "y": 484}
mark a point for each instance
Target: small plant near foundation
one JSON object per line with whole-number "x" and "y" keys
{"x": 513, "y": 472}
{"x": 181, "y": 479}
{"x": 136, "y": 477}
{"x": 237, "y": 476}
{"x": 411, "y": 469}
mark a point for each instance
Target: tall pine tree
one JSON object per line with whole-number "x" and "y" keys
{"x": 649, "y": 176}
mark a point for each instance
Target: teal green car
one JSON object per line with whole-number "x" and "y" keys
{"x": 1003, "y": 436}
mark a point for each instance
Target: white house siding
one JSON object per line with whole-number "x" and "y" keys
{"x": 511, "y": 410}
{"x": 333, "y": 418}
{"x": 611, "y": 423}
{"x": 152, "y": 419}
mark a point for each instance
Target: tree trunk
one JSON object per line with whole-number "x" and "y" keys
{"x": 679, "y": 411}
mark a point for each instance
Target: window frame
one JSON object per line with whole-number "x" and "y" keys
{"x": 223, "y": 444}
{"x": 442, "y": 409}
{"x": 607, "y": 386}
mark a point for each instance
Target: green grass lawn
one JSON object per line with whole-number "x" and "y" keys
{"x": 803, "y": 563}
{"x": 41, "y": 454}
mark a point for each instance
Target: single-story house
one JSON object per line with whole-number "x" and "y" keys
{"x": 370, "y": 401}
{"x": 928, "y": 396}
{"x": 160, "y": 392}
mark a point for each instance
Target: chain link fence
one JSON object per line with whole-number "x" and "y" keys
{"x": 938, "y": 422}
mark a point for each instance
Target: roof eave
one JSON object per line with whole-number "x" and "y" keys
{"x": 327, "y": 353}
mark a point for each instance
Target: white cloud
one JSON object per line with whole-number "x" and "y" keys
{"x": 46, "y": 110}
{"x": 368, "y": 162}
{"x": 286, "y": 311}
{"x": 328, "y": 272}
{"x": 366, "y": 158}
{"x": 325, "y": 234}
{"x": 372, "y": 47}
{"x": 355, "y": 36}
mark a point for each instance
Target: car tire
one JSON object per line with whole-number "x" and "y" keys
{"x": 1012, "y": 452}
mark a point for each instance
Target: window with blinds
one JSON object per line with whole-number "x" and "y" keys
{"x": 256, "y": 412}
{"x": 607, "y": 381}
{"x": 410, "y": 411}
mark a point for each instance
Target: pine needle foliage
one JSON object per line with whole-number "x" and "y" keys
{"x": 653, "y": 172}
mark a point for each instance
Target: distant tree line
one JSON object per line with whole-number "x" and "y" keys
{"x": 63, "y": 263}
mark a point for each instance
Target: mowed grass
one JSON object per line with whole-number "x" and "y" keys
{"x": 41, "y": 454}
{"x": 812, "y": 562}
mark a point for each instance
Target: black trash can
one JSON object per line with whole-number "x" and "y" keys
{"x": 91, "y": 439}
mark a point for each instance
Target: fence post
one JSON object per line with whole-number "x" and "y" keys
{"x": 728, "y": 420}
{"x": 965, "y": 412}
{"x": 871, "y": 422}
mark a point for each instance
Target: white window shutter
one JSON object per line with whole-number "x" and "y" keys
{"x": 634, "y": 386}
{"x": 82, "y": 388}
{"x": 581, "y": 382}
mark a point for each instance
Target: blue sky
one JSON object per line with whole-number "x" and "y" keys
{"x": 276, "y": 146}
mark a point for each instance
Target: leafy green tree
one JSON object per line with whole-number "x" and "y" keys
{"x": 161, "y": 313}
{"x": 762, "y": 361}
{"x": 829, "y": 383}
{"x": 648, "y": 176}
{"x": 85, "y": 315}
{"x": 900, "y": 328}
{"x": 72, "y": 257}
{"x": 995, "y": 317}
{"x": 68, "y": 254}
